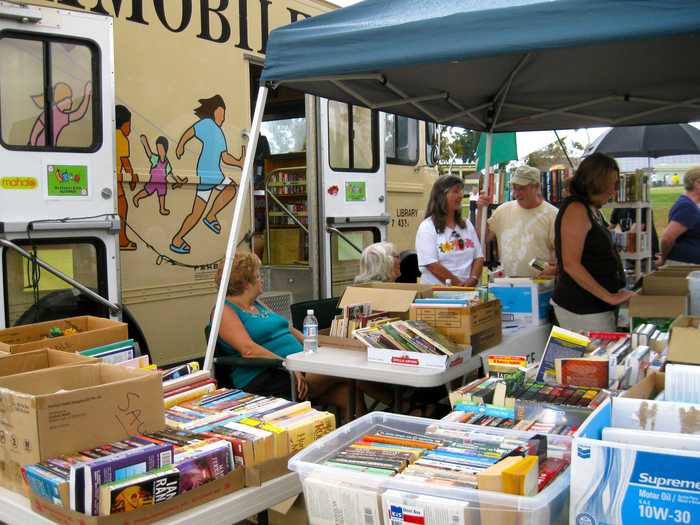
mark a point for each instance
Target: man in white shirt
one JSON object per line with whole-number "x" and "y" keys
{"x": 523, "y": 227}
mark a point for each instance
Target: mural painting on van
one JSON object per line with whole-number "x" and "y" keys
{"x": 123, "y": 124}
{"x": 62, "y": 112}
{"x": 213, "y": 185}
{"x": 160, "y": 173}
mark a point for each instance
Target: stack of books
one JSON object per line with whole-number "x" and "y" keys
{"x": 205, "y": 439}
{"x": 130, "y": 474}
{"x": 357, "y": 316}
{"x": 452, "y": 457}
{"x": 125, "y": 352}
{"x": 633, "y": 187}
{"x": 409, "y": 336}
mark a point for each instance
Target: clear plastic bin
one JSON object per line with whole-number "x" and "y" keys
{"x": 551, "y": 506}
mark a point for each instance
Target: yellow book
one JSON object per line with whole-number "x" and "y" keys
{"x": 521, "y": 478}
{"x": 492, "y": 477}
{"x": 323, "y": 424}
{"x": 279, "y": 435}
{"x": 189, "y": 395}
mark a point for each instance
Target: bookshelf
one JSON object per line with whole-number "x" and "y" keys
{"x": 553, "y": 184}
{"x": 282, "y": 207}
{"x": 634, "y": 245}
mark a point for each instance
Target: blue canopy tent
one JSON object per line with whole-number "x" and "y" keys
{"x": 490, "y": 65}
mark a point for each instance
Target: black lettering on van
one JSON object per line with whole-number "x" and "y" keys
{"x": 72, "y": 3}
{"x": 243, "y": 25}
{"x": 206, "y": 28}
{"x": 136, "y": 10}
{"x": 264, "y": 24}
{"x": 186, "y": 15}
{"x": 296, "y": 15}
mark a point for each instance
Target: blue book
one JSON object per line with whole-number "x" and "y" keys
{"x": 44, "y": 483}
{"x": 121, "y": 466}
{"x": 439, "y": 300}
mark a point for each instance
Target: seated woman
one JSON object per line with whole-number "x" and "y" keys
{"x": 251, "y": 330}
{"x": 379, "y": 262}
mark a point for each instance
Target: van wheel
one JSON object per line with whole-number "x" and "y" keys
{"x": 66, "y": 303}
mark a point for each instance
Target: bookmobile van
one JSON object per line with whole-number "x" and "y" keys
{"x": 123, "y": 197}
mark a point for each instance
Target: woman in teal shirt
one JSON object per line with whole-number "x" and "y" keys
{"x": 252, "y": 330}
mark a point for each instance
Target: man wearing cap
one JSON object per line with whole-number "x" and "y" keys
{"x": 523, "y": 227}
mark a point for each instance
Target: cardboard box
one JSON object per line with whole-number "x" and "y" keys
{"x": 648, "y": 388}
{"x": 258, "y": 474}
{"x": 339, "y": 342}
{"x": 92, "y": 332}
{"x": 478, "y": 326}
{"x": 684, "y": 342}
{"x": 53, "y": 411}
{"x": 651, "y": 484}
{"x": 184, "y": 502}
{"x": 11, "y": 364}
{"x": 291, "y": 511}
{"x": 416, "y": 359}
{"x": 524, "y": 302}
{"x": 663, "y": 298}
{"x": 393, "y": 298}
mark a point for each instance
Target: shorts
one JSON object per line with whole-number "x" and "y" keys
{"x": 271, "y": 382}
{"x": 583, "y": 323}
{"x": 205, "y": 194}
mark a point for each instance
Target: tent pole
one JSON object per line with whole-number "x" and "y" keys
{"x": 246, "y": 174}
{"x": 487, "y": 188}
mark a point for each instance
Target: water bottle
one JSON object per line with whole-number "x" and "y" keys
{"x": 310, "y": 332}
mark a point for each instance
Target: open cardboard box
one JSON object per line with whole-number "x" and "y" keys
{"x": 226, "y": 485}
{"x": 54, "y": 411}
{"x": 11, "y": 364}
{"x": 92, "y": 332}
{"x": 663, "y": 298}
{"x": 392, "y": 298}
{"x": 478, "y": 326}
{"x": 648, "y": 388}
{"x": 684, "y": 343}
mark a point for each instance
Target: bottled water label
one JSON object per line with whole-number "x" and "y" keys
{"x": 310, "y": 330}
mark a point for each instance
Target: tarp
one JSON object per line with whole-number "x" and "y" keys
{"x": 504, "y": 148}
{"x": 573, "y": 63}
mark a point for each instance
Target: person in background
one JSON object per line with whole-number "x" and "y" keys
{"x": 446, "y": 244}
{"x": 378, "y": 262}
{"x": 251, "y": 330}
{"x": 680, "y": 242}
{"x": 590, "y": 276}
{"x": 523, "y": 227}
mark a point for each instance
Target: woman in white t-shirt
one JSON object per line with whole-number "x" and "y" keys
{"x": 446, "y": 244}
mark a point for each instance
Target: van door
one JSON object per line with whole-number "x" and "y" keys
{"x": 57, "y": 155}
{"x": 352, "y": 189}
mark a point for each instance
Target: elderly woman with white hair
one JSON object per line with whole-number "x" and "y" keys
{"x": 680, "y": 242}
{"x": 379, "y": 262}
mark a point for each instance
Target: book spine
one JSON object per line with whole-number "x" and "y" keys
{"x": 104, "y": 470}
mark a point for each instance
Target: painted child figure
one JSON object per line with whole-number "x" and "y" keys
{"x": 161, "y": 171}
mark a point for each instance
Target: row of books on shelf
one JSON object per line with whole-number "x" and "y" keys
{"x": 205, "y": 439}
{"x": 495, "y": 417}
{"x": 553, "y": 185}
{"x": 288, "y": 183}
{"x": 447, "y": 456}
{"x": 626, "y": 242}
{"x": 633, "y": 187}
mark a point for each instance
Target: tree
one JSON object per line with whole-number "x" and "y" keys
{"x": 462, "y": 141}
{"x": 551, "y": 154}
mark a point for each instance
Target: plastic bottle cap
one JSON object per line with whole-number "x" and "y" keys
{"x": 309, "y": 312}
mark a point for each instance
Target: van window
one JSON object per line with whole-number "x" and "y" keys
{"x": 401, "y": 140}
{"x": 46, "y": 93}
{"x": 26, "y": 286}
{"x": 352, "y": 137}
{"x": 345, "y": 259}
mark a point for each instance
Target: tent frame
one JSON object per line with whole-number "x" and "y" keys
{"x": 497, "y": 103}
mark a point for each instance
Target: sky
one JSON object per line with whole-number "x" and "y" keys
{"x": 534, "y": 140}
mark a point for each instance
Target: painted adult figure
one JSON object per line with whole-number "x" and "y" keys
{"x": 207, "y": 130}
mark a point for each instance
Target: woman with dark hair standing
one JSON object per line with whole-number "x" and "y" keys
{"x": 446, "y": 244}
{"x": 207, "y": 130}
{"x": 591, "y": 278}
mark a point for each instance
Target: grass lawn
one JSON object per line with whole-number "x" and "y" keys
{"x": 662, "y": 198}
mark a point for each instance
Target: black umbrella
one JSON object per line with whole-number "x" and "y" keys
{"x": 647, "y": 141}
